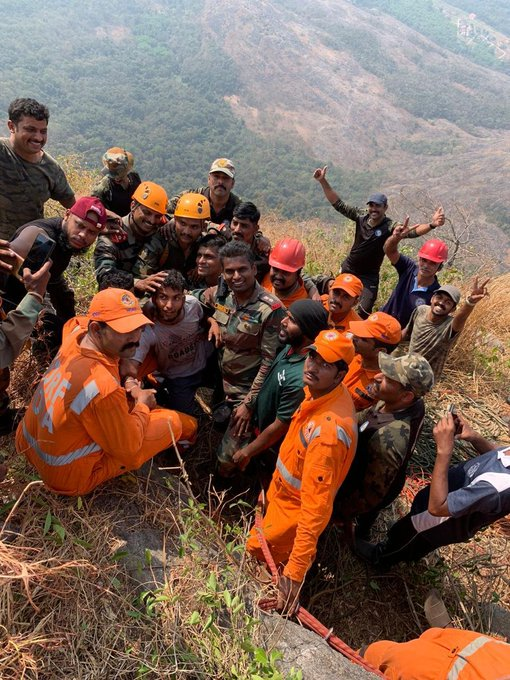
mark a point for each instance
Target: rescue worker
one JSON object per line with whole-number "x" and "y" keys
{"x": 373, "y": 228}
{"x": 114, "y": 251}
{"x": 177, "y": 344}
{"x": 284, "y": 280}
{"x": 283, "y": 388}
{"x": 119, "y": 182}
{"x": 379, "y": 333}
{"x": 29, "y": 176}
{"x": 179, "y": 249}
{"x": 79, "y": 429}
{"x": 314, "y": 459}
{"x": 248, "y": 321}
{"x": 218, "y": 192}
{"x": 388, "y": 432}
{"x": 343, "y": 296}
{"x": 442, "y": 654}
{"x": 458, "y": 502}
{"x": 417, "y": 282}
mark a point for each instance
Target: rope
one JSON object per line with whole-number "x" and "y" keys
{"x": 304, "y": 616}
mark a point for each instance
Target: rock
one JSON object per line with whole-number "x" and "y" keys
{"x": 499, "y": 620}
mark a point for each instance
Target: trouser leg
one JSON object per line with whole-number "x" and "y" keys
{"x": 367, "y": 297}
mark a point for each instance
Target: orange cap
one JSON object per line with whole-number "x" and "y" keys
{"x": 333, "y": 346}
{"x": 119, "y": 309}
{"x": 380, "y": 326}
{"x": 348, "y": 282}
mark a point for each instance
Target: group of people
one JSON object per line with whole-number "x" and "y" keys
{"x": 306, "y": 380}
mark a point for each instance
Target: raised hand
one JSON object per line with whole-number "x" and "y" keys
{"x": 478, "y": 291}
{"x": 320, "y": 173}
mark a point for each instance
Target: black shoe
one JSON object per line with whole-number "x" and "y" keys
{"x": 367, "y": 551}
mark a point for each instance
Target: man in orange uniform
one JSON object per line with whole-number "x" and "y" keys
{"x": 314, "y": 459}
{"x": 343, "y": 296}
{"x": 442, "y": 654}
{"x": 80, "y": 428}
{"x": 379, "y": 333}
{"x": 284, "y": 280}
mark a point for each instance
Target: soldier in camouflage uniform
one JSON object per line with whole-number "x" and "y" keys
{"x": 148, "y": 209}
{"x": 388, "y": 432}
{"x": 119, "y": 182}
{"x": 248, "y": 321}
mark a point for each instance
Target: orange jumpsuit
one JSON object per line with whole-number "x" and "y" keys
{"x": 79, "y": 430}
{"x": 299, "y": 294}
{"x": 314, "y": 459}
{"x": 342, "y": 325}
{"x": 357, "y": 381}
{"x": 442, "y": 654}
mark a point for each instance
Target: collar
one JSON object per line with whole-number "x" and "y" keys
{"x": 93, "y": 353}
{"x": 504, "y": 456}
{"x": 309, "y": 404}
{"x": 422, "y": 289}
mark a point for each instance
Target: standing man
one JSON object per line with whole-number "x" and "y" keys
{"x": 218, "y": 192}
{"x": 314, "y": 459}
{"x": 344, "y": 294}
{"x": 373, "y": 227}
{"x": 148, "y": 209}
{"x": 80, "y": 428}
{"x": 28, "y": 175}
{"x": 416, "y": 282}
{"x": 119, "y": 183}
{"x": 176, "y": 247}
{"x": 283, "y": 388}
{"x": 248, "y": 321}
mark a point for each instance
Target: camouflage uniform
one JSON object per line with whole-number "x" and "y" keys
{"x": 225, "y": 214}
{"x": 159, "y": 253}
{"x": 109, "y": 255}
{"x": 113, "y": 195}
{"x": 385, "y": 444}
{"x": 25, "y": 187}
{"x": 250, "y": 341}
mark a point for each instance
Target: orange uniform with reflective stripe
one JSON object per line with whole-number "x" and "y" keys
{"x": 314, "y": 459}
{"x": 357, "y": 382}
{"x": 442, "y": 654}
{"x": 342, "y": 325}
{"x": 79, "y": 429}
{"x": 300, "y": 293}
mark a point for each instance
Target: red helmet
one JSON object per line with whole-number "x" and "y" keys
{"x": 288, "y": 254}
{"x": 435, "y": 250}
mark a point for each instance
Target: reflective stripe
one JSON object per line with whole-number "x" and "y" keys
{"x": 58, "y": 461}
{"x": 468, "y": 650}
{"x": 343, "y": 436}
{"x": 290, "y": 479}
{"x": 84, "y": 397}
{"x": 303, "y": 440}
{"x": 316, "y": 433}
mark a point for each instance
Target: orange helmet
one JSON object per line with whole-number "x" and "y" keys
{"x": 194, "y": 206}
{"x": 152, "y": 196}
{"x": 288, "y": 254}
{"x": 435, "y": 250}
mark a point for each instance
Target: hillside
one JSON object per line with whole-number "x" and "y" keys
{"x": 385, "y": 92}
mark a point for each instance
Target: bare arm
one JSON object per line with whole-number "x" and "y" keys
{"x": 266, "y": 438}
{"x": 444, "y": 433}
{"x": 320, "y": 176}
{"x": 438, "y": 219}
{"x": 391, "y": 244}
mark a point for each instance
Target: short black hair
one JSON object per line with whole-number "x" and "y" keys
{"x": 174, "y": 280}
{"x": 341, "y": 365}
{"x": 117, "y": 278}
{"x": 247, "y": 211}
{"x": 24, "y": 106}
{"x": 385, "y": 345}
{"x": 211, "y": 241}
{"x": 237, "y": 249}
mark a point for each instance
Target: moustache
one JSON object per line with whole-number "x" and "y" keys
{"x": 129, "y": 345}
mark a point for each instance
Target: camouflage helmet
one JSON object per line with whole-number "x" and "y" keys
{"x": 117, "y": 162}
{"x": 411, "y": 370}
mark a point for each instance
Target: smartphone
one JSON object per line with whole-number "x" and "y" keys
{"x": 458, "y": 425}
{"x": 39, "y": 253}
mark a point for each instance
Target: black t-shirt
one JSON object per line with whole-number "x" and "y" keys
{"x": 367, "y": 252}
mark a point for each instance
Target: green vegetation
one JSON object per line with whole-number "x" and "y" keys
{"x": 495, "y": 13}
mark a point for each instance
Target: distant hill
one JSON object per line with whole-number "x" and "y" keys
{"x": 385, "y": 91}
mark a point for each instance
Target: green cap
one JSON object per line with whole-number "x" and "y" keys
{"x": 411, "y": 370}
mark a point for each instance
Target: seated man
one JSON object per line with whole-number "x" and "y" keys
{"x": 179, "y": 249}
{"x": 387, "y": 436}
{"x": 177, "y": 344}
{"x": 245, "y": 227}
{"x": 208, "y": 269}
{"x": 80, "y": 429}
{"x": 314, "y": 459}
{"x": 379, "y": 333}
{"x": 458, "y": 502}
{"x": 432, "y": 330}
{"x": 114, "y": 251}
{"x": 283, "y": 388}
{"x": 119, "y": 183}
{"x": 248, "y": 321}
{"x": 284, "y": 278}
{"x": 416, "y": 281}
{"x": 343, "y": 296}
